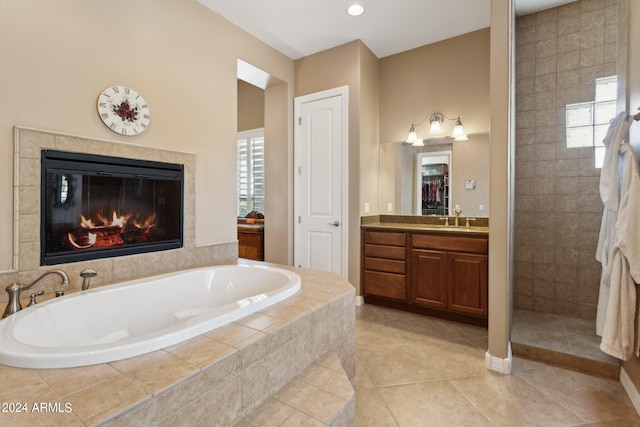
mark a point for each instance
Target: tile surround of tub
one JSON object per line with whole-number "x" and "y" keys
{"x": 214, "y": 379}
{"x": 559, "y": 54}
{"x": 28, "y": 144}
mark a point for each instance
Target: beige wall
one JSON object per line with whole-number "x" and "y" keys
{"x": 250, "y": 106}
{"x": 278, "y": 244}
{"x": 369, "y": 128}
{"x": 355, "y": 66}
{"x": 58, "y": 56}
{"x": 450, "y": 77}
{"x": 500, "y": 196}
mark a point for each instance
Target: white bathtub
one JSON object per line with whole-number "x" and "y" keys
{"x": 138, "y": 316}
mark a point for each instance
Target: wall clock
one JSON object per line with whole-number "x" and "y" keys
{"x": 123, "y": 110}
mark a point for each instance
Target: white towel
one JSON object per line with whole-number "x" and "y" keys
{"x": 609, "y": 193}
{"x": 623, "y": 269}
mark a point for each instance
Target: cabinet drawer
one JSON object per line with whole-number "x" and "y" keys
{"x": 386, "y": 285}
{"x": 386, "y": 265}
{"x": 450, "y": 243}
{"x": 389, "y": 252}
{"x": 385, "y": 238}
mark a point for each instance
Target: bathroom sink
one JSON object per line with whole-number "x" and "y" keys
{"x": 459, "y": 229}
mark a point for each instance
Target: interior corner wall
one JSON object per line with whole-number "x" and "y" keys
{"x": 336, "y": 67}
{"x": 278, "y": 132}
{"x": 369, "y": 130}
{"x": 250, "y": 106}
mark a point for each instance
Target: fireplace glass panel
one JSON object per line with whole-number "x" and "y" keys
{"x": 98, "y": 206}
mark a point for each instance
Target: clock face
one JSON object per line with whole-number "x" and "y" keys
{"x": 123, "y": 110}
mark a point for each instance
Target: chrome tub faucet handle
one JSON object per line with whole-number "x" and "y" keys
{"x": 14, "y": 290}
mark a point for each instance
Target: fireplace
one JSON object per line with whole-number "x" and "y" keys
{"x": 101, "y": 206}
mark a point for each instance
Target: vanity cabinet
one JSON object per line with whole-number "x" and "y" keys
{"x": 450, "y": 272}
{"x": 430, "y": 277}
{"x": 384, "y": 264}
{"x": 438, "y": 273}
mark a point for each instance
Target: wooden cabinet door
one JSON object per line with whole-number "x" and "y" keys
{"x": 468, "y": 283}
{"x": 429, "y": 270}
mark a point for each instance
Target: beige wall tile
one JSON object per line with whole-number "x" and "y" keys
{"x": 178, "y": 397}
{"x": 143, "y": 415}
{"x": 223, "y": 404}
{"x": 571, "y": 38}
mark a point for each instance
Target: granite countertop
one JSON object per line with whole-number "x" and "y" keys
{"x": 427, "y": 224}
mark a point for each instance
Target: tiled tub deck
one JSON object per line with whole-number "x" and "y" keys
{"x": 217, "y": 378}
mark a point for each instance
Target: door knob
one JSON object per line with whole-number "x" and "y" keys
{"x": 335, "y": 223}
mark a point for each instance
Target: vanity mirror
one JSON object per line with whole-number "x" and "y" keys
{"x": 433, "y": 179}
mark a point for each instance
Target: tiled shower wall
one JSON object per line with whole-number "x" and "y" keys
{"x": 559, "y": 54}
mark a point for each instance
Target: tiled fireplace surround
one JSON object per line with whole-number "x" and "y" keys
{"x": 215, "y": 379}
{"x": 26, "y": 251}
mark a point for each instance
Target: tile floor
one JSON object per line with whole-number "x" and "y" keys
{"x": 562, "y": 341}
{"x": 414, "y": 370}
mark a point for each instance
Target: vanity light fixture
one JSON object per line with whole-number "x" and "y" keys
{"x": 436, "y": 121}
{"x": 355, "y": 10}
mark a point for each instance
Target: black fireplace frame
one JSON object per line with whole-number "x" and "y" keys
{"x": 83, "y": 163}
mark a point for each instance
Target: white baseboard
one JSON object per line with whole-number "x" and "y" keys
{"x": 497, "y": 364}
{"x": 359, "y": 300}
{"x": 631, "y": 389}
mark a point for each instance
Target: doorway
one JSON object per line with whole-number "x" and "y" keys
{"x": 433, "y": 183}
{"x": 275, "y": 101}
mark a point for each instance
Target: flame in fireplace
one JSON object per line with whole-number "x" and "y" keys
{"x": 103, "y": 232}
{"x": 147, "y": 223}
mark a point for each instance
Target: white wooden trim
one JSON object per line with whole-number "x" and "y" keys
{"x": 343, "y": 92}
{"x": 497, "y": 364}
{"x": 631, "y": 389}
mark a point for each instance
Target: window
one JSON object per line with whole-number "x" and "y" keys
{"x": 587, "y": 122}
{"x": 250, "y": 171}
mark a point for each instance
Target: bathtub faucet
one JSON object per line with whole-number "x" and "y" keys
{"x": 14, "y": 290}
{"x": 86, "y": 278}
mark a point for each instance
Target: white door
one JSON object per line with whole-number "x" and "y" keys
{"x": 321, "y": 181}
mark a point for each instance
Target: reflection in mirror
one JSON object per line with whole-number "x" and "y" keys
{"x": 400, "y": 185}
{"x": 432, "y": 183}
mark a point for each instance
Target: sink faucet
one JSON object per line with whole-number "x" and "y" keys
{"x": 14, "y": 289}
{"x": 457, "y": 211}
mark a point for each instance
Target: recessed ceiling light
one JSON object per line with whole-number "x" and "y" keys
{"x": 355, "y": 10}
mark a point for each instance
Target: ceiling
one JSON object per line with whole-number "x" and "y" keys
{"x": 299, "y": 28}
